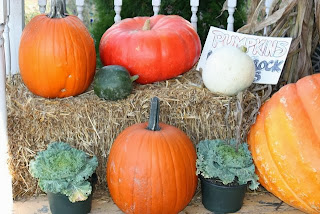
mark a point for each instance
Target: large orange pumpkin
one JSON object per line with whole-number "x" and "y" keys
{"x": 285, "y": 144}
{"x": 156, "y": 48}
{"x": 56, "y": 55}
{"x": 152, "y": 168}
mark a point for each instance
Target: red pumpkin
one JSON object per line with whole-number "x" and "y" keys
{"x": 152, "y": 168}
{"x": 56, "y": 55}
{"x": 285, "y": 144}
{"x": 156, "y": 48}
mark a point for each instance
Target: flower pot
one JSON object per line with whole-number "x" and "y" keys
{"x": 222, "y": 199}
{"x": 60, "y": 204}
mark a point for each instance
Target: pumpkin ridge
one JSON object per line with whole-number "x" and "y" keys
{"x": 120, "y": 163}
{"x": 270, "y": 105}
{"x": 62, "y": 81}
{"x": 173, "y": 164}
{"x": 186, "y": 164}
{"x": 116, "y": 49}
{"x": 62, "y": 26}
{"x": 192, "y": 59}
{"x": 295, "y": 97}
{"x": 89, "y": 54}
{"x": 79, "y": 87}
{"x": 51, "y": 87}
{"x": 128, "y": 55}
{"x": 302, "y": 102}
{"x": 160, "y": 177}
{"x": 160, "y": 59}
{"x": 73, "y": 21}
{"x": 39, "y": 62}
{"x": 116, "y": 149}
{"x": 74, "y": 53}
{"x": 187, "y": 60}
{"x": 121, "y": 158}
{"x": 252, "y": 138}
{"x": 300, "y": 87}
{"x": 54, "y": 48}
{"x": 141, "y": 142}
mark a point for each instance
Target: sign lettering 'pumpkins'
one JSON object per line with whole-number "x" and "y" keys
{"x": 152, "y": 168}
{"x": 56, "y": 55}
{"x": 285, "y": 144}
{"x": 155, "y": 48}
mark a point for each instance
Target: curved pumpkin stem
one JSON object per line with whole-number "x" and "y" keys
{"x": 58, "y": 9}
{"x": 134, "y": 78}
{"x": 153, "y": 124}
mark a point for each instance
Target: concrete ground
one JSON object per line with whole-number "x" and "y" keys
{"x": 255, "y": 203}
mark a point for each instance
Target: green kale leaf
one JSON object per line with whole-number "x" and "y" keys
{"x": 63, "y": 169}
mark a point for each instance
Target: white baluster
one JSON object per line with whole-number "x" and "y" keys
{"x": 80, "y": 4}
{"x": 231, "y": 8}
{"x": 117, "y": 10}
{"x": 6, "y": 181}
{"x": 268, "y": 4}
{"x": 156, "y": 6}
{"x": 16, "y": 25}
{"x": 7, "y": 42}
{"x": 194, "y": 9}
{"x": 42, "y": 5}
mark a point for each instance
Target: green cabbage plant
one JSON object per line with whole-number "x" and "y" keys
{"x": 222, "y": 160}
{"x": 63, "y": 169}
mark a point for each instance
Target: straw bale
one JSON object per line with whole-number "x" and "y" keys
{"x": 92, "y": 124}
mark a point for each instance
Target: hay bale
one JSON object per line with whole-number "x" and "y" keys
{"x": 92, "y": 124}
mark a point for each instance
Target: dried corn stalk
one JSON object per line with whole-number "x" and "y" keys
{"x": 288, "y": 18}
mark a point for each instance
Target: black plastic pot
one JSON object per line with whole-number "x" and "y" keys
{"x": 60, "y": 204}
{"x": 222, "y": 199}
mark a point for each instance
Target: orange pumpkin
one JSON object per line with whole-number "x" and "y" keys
{"x": 152, "y": 168}
{"x": 57, "y": 56}
{"x": 285, "y": 144}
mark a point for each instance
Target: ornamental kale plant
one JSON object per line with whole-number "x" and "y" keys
{"x": 63, "y": 169}
{"x": 220, "y": 160}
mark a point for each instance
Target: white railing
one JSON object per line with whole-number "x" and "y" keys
{"x": 6, "y": 182}
{"x": 15, "y": 24}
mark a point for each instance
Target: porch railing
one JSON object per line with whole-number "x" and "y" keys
{"x": 15, "y": 18}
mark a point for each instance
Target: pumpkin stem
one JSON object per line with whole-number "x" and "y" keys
{"x": 153, "y": 124}
{"x": 147, "y": 25}
{"x": 243, "y": 49}
{"x": 58, "y": 9}
{"x": 134, "y": 78}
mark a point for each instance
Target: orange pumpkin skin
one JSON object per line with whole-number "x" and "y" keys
{"x": 285, "y": 144}
{"x": 56, "y": 56}
{"x": 170, "y": 48}
{"x": 152, "y": 171}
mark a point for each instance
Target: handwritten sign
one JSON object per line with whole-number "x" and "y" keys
{"x": 268, "y": 53}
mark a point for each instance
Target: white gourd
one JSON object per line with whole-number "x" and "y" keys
{"x": 228, "y": 71}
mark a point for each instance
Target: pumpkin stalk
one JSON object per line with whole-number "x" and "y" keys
{"x": 243, "y": 49}
{"x": 147, "y": 25}
{"x": 58, "y": 9}
{"x": 134, "y": 78}
{"x": 153, "y": 124}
